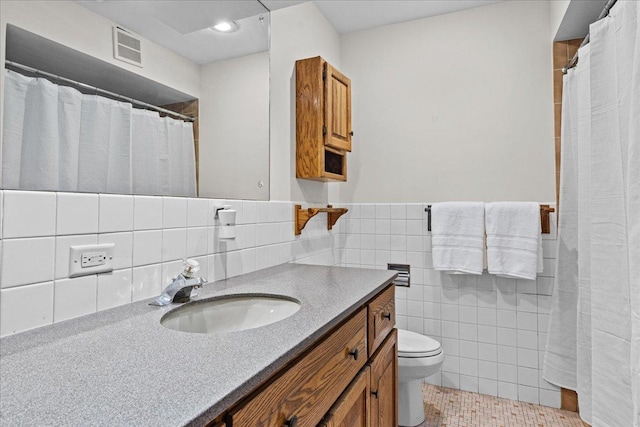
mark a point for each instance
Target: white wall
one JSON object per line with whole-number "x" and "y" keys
{"x": 297, "y": 32}
{"x": 234, "y": 138}
{"x": 558, "y": 10}
{"x": 454, "y": 107}
{"x": 70, "y": 24}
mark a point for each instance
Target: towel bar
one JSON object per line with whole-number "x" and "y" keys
{"x": 545, "y": 210}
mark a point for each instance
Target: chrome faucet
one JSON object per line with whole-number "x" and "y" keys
{"x": 181, "y": 286}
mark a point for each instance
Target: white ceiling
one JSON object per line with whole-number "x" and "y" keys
{"x": 579, "y": 15}
{"x": 183, "y": 26}
{"x": 348, "y": 16}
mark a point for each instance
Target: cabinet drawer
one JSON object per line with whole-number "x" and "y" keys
{"x": 381, "y": 317}
{"x": 308, "y": 388}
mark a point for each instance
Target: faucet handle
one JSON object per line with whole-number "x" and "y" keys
{"x": 191, "y": 267}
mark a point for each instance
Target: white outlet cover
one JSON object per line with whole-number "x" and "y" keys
{"x": 75, "y": 259}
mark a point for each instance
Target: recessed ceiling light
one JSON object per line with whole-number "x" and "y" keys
{"x": 226, "y": 27}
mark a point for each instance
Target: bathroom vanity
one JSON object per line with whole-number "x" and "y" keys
{"x": 334, "y": 362}
{"x": 355, "y": 366}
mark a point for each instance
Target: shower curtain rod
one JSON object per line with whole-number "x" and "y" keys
{"x": 98, "y": 90}
{"x": 572, "y": 63}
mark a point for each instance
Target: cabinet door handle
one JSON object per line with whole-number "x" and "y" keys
{"x": 351, "y": 133}
{"x": 292, "y": 422}
{"x": 375, "y": 393}
{"x": 354, "y": 353}
{"x": 386, "y": 316}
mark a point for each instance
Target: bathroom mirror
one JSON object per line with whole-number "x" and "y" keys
{"x": 184, "y": 62}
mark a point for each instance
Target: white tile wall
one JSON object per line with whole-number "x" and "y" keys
{"x": 123, "y": 250}
{"x": 74, "y": 297}
{"x": 116, "y": 213}
{"x": 77, "y": 213}
{"x": 174, "y": 212}
{"x": 29, "y": 214}
{"x": 114, "y": 288}
{"x": 26, "y": 307}
{"x": 147, "y": 214}
{"x": 151, "y": 235}
{"x": 492, "y": 330}
{"x": 27, "y": 261}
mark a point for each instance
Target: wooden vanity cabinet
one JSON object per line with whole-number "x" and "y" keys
{"x": 308, "y": 388}
{"x": 323, "y": 121}
{"x": 352, "y": 408}
{"x": 384, "y": 383}
{"x": 371, "y": 399}
{"x": 337, "y": 381}
{"x": 381, "y": 317}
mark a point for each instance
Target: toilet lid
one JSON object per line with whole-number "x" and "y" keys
{"x": 411, "y": 344}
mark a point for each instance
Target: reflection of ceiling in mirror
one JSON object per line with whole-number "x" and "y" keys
{"x": 184, "y": 27}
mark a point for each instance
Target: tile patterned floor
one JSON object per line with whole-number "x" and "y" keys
{"x": 446, "y": 407}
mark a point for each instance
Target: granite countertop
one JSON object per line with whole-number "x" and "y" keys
{"x": 121, "y": 367}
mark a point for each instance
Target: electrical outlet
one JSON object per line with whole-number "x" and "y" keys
{"x": 90, "y": 259}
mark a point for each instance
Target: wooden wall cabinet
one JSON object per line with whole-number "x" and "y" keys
{"x": 338, "y": 382}
{"x": 323, "y": 121}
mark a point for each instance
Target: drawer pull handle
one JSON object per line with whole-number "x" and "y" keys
{"x": 354, "y": 353}
{"x": 386, "y": 316}
{"x": 375, "y": 393}
{"x": 292, "y": 422}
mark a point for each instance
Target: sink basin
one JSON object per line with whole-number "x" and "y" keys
{"x": 230, "y": 313}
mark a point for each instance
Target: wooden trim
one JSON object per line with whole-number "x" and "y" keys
{"x": 569, "y": 400}
{"x": 545, "y": 223}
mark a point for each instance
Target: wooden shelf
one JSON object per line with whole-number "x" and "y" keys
{"x": 302, "y": 216}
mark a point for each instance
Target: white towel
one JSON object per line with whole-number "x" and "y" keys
{"x": 514, "y": 247}
{"x": 457, "y": 236}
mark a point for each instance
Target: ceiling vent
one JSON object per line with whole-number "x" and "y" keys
{"x": 127, "y": 47}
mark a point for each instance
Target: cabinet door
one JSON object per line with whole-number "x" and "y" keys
{"x": 305, "y": 390}
{"x": 352, "y": 408}
{"x": 384, "y": 383}
{"x": 337, "y": 109}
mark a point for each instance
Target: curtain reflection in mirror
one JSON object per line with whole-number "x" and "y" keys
{"x": 57, "y": 139}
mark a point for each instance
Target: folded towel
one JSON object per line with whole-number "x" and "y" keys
{"x": 457, "y": 237}
{"x": 514, "y": 245}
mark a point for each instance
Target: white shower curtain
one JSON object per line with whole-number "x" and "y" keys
{"x": 57, "y": 139}
{"x": 593, "y": 342}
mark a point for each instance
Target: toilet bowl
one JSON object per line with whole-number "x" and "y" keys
{"x": 418, "y": 357}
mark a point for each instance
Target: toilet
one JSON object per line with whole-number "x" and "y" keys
{"x": 418, "y": 357}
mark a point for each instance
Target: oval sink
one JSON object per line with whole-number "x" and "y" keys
{"x": 230, "y": 313}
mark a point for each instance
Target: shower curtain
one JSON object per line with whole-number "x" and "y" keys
{"x": 58, "y": 139}
{"x": 593, "y": 341}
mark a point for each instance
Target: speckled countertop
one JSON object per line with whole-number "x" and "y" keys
{"x": 120, "y": 367}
